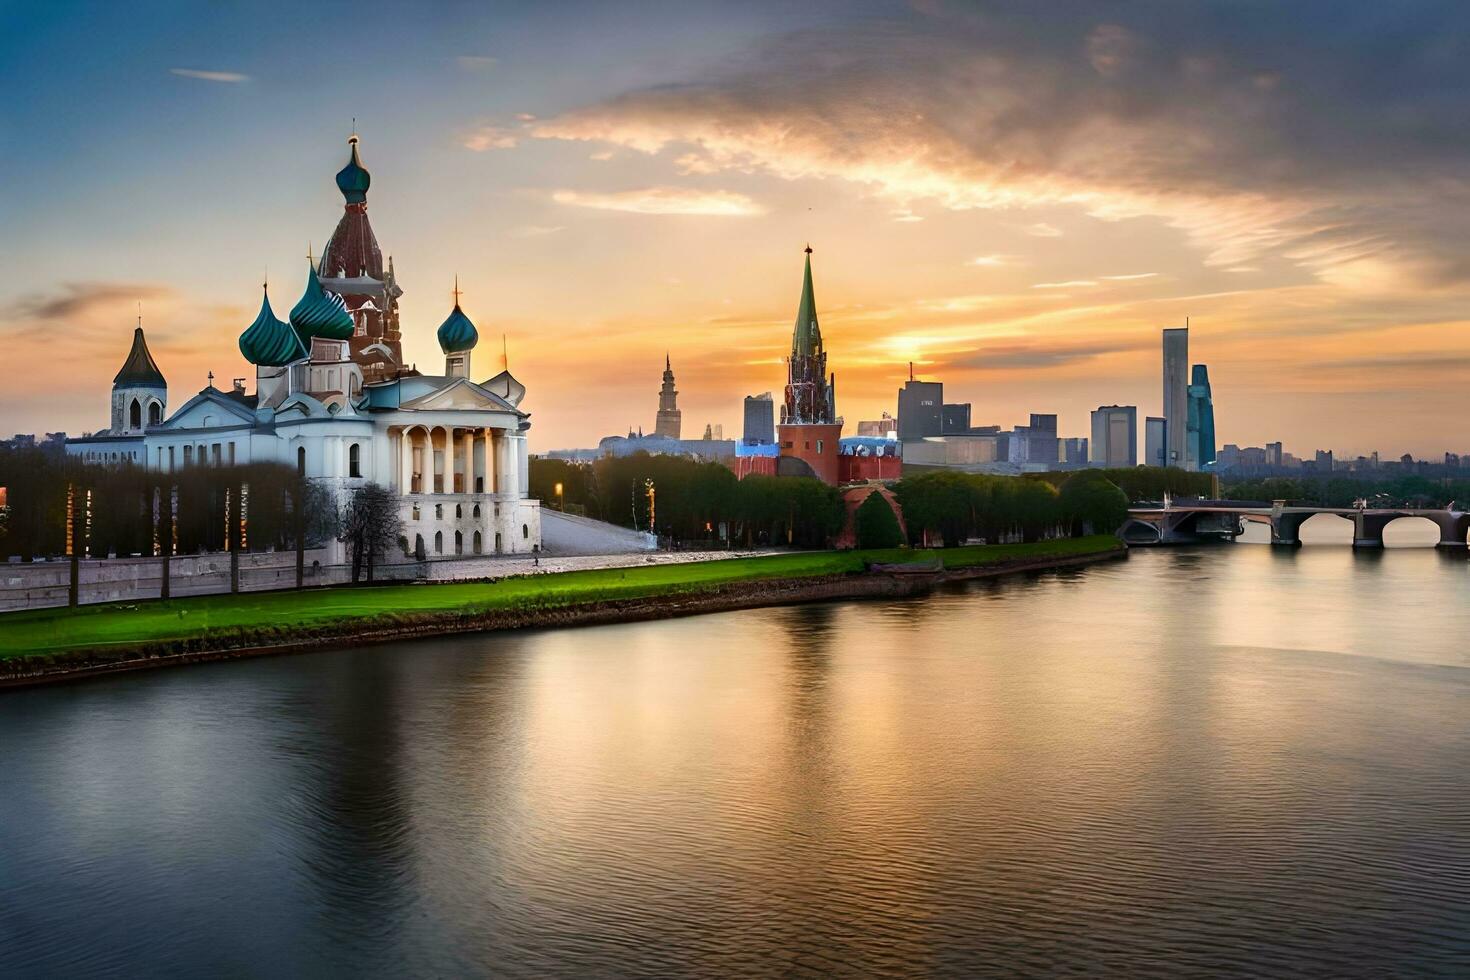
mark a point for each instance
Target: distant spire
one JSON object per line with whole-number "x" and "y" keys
{"x": 668, "y": 366}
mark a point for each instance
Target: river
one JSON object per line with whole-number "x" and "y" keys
{"x": 1204, "y": 761}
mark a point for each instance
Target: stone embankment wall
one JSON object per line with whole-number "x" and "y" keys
{"x": 38, "y": 585}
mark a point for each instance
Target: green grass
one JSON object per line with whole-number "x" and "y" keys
{"x": 276, "y": 616}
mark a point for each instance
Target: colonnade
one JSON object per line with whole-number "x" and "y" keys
{"x": 456, "y": 459}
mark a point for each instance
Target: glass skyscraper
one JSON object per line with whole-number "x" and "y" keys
{"x": 1176, "y": 396}
{"x": 1200, "y": 451}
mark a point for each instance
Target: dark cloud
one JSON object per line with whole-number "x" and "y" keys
{"x": 1332, "y": 132}
{"x": 995, "y": 357}
{"x": 76, "y": 300}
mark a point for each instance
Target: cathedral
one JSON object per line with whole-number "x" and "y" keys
{"x": 334, "y": 399}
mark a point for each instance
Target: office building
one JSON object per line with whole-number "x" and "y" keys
{"x": 1200, "y": 447}
{"x": 1176, "y": 396}
{"x": 920, "y": 409}
{"x": 760, "y": 420}
{"x": 1115, "y": 436}
{"x": 955, "y": 419}
{"x": 1154, "y": 451}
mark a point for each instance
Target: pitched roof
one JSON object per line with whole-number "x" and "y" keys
{"x": 139, "y": 368}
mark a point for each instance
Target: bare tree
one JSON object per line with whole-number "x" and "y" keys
{"x": 370, "y": 526}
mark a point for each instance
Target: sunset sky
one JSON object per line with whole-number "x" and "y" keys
{"x": 1016, "y": 196}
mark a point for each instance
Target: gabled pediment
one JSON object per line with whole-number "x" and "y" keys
{"x": 207, "y": 409}
{"x": 460, "y": 394}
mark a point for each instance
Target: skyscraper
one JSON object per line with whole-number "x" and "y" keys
{"x": 1200, "y": 452}
{"x": 1176, "y": 396}
{"x": 668, "y": 422}
{"x": 1115, "y": 436}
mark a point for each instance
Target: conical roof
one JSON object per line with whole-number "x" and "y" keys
{"x": 457, "y": 333}
{"x": 806, "y": 340}
{"x": 353, "y": 180}
{"x": 269, "y": 342}
{"x": 319, "y": 313}
{"x": 139, "y": 368}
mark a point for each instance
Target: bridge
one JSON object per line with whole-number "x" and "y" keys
{"x": 1191, "y": 521}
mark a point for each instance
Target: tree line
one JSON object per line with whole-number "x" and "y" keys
{"x": 686, "y": 502}
{"x": 129, "y": 510}
{"x": 1410, "y": 490}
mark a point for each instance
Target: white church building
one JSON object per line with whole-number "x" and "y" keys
{"x": 334, "y": 399}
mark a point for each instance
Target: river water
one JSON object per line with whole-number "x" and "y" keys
{"x": 1214, "y": 761}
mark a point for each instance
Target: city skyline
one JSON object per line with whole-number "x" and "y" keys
{"x": 971, "y": 204}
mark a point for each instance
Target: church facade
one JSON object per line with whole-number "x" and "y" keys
{"x": 334, "y": 399}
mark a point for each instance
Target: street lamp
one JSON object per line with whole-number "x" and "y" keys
{"x": 561, "y": 503}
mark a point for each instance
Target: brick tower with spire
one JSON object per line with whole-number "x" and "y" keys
{"x": 810, "y": 426}
{"x": 669, "y": 417}
{"x": 352, "y": 267}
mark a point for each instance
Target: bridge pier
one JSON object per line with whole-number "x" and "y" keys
{"x": 1454, "y": 526}
{"x": 1286, "y": 529}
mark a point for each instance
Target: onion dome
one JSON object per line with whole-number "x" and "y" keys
{"x": 320, "y": 313}
{"x": 457, "y": 333}
{"x": 139, "y": 370}
{"x": 269, "y": 342}
{"x": 353, "y": 180}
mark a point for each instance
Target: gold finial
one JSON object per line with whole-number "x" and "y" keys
{"x": 140, "y": 314}
{"x": 309, "y": 257}
{"x": 456, "y": 289}
{"x": 504, "y": 353}
{"x": 353, "y": 137}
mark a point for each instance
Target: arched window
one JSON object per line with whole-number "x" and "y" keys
{"x": 135, "y": 414}
{"x": 477, "y": 542}
{"x": 458, "y": 511}
{"x": 438, "y": 542}
{"x": 354, "y": 460}
{"x": 418, "y": 546}
{"x": 497, "y": 542}
{"x": 526, "y": 531}
{"x": 155, "y": 413}
{"x": 415, "y": 510}
{"x": 476, "y": 511}
{"x": 458, "y": 543}
{"x": 301, "y": 460}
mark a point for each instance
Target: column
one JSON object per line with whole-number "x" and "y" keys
{"x": 489, "y": 440}
{"x": 449, "y": 459}
{"x": 405, "y": 462}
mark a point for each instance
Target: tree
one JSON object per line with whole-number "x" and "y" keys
{"x": 875, "y": 523}
{"x": 940, "y": 501}
{"x": 370, "y": 526}
{"x": 1090, "y": 500}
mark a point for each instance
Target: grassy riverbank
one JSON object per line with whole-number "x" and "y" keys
{"x": 249, "y": 619}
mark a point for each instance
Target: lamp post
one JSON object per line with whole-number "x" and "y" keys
{"x": 561, "y": 502}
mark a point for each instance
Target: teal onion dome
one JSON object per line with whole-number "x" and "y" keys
{"x": 457, "y": 333}
{"x": 320, "y": 313}
{"x": 353, "y": 180}
{"x": 269, "y": 342}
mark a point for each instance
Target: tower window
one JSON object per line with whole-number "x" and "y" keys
{"x": 300, "y": 460}
{"x": 354, "y": 460}
{"x": 135, "y": 414}
{"x": 155, "y": 413}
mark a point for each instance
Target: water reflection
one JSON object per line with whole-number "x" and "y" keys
{"x": 1205, "y": 760}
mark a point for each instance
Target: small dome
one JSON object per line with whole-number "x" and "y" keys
{"x": 457, "y": 333}
{"x": 353, "y": 180}
{"x": 269, "y": 342}
{"x": 320, "y": 313}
